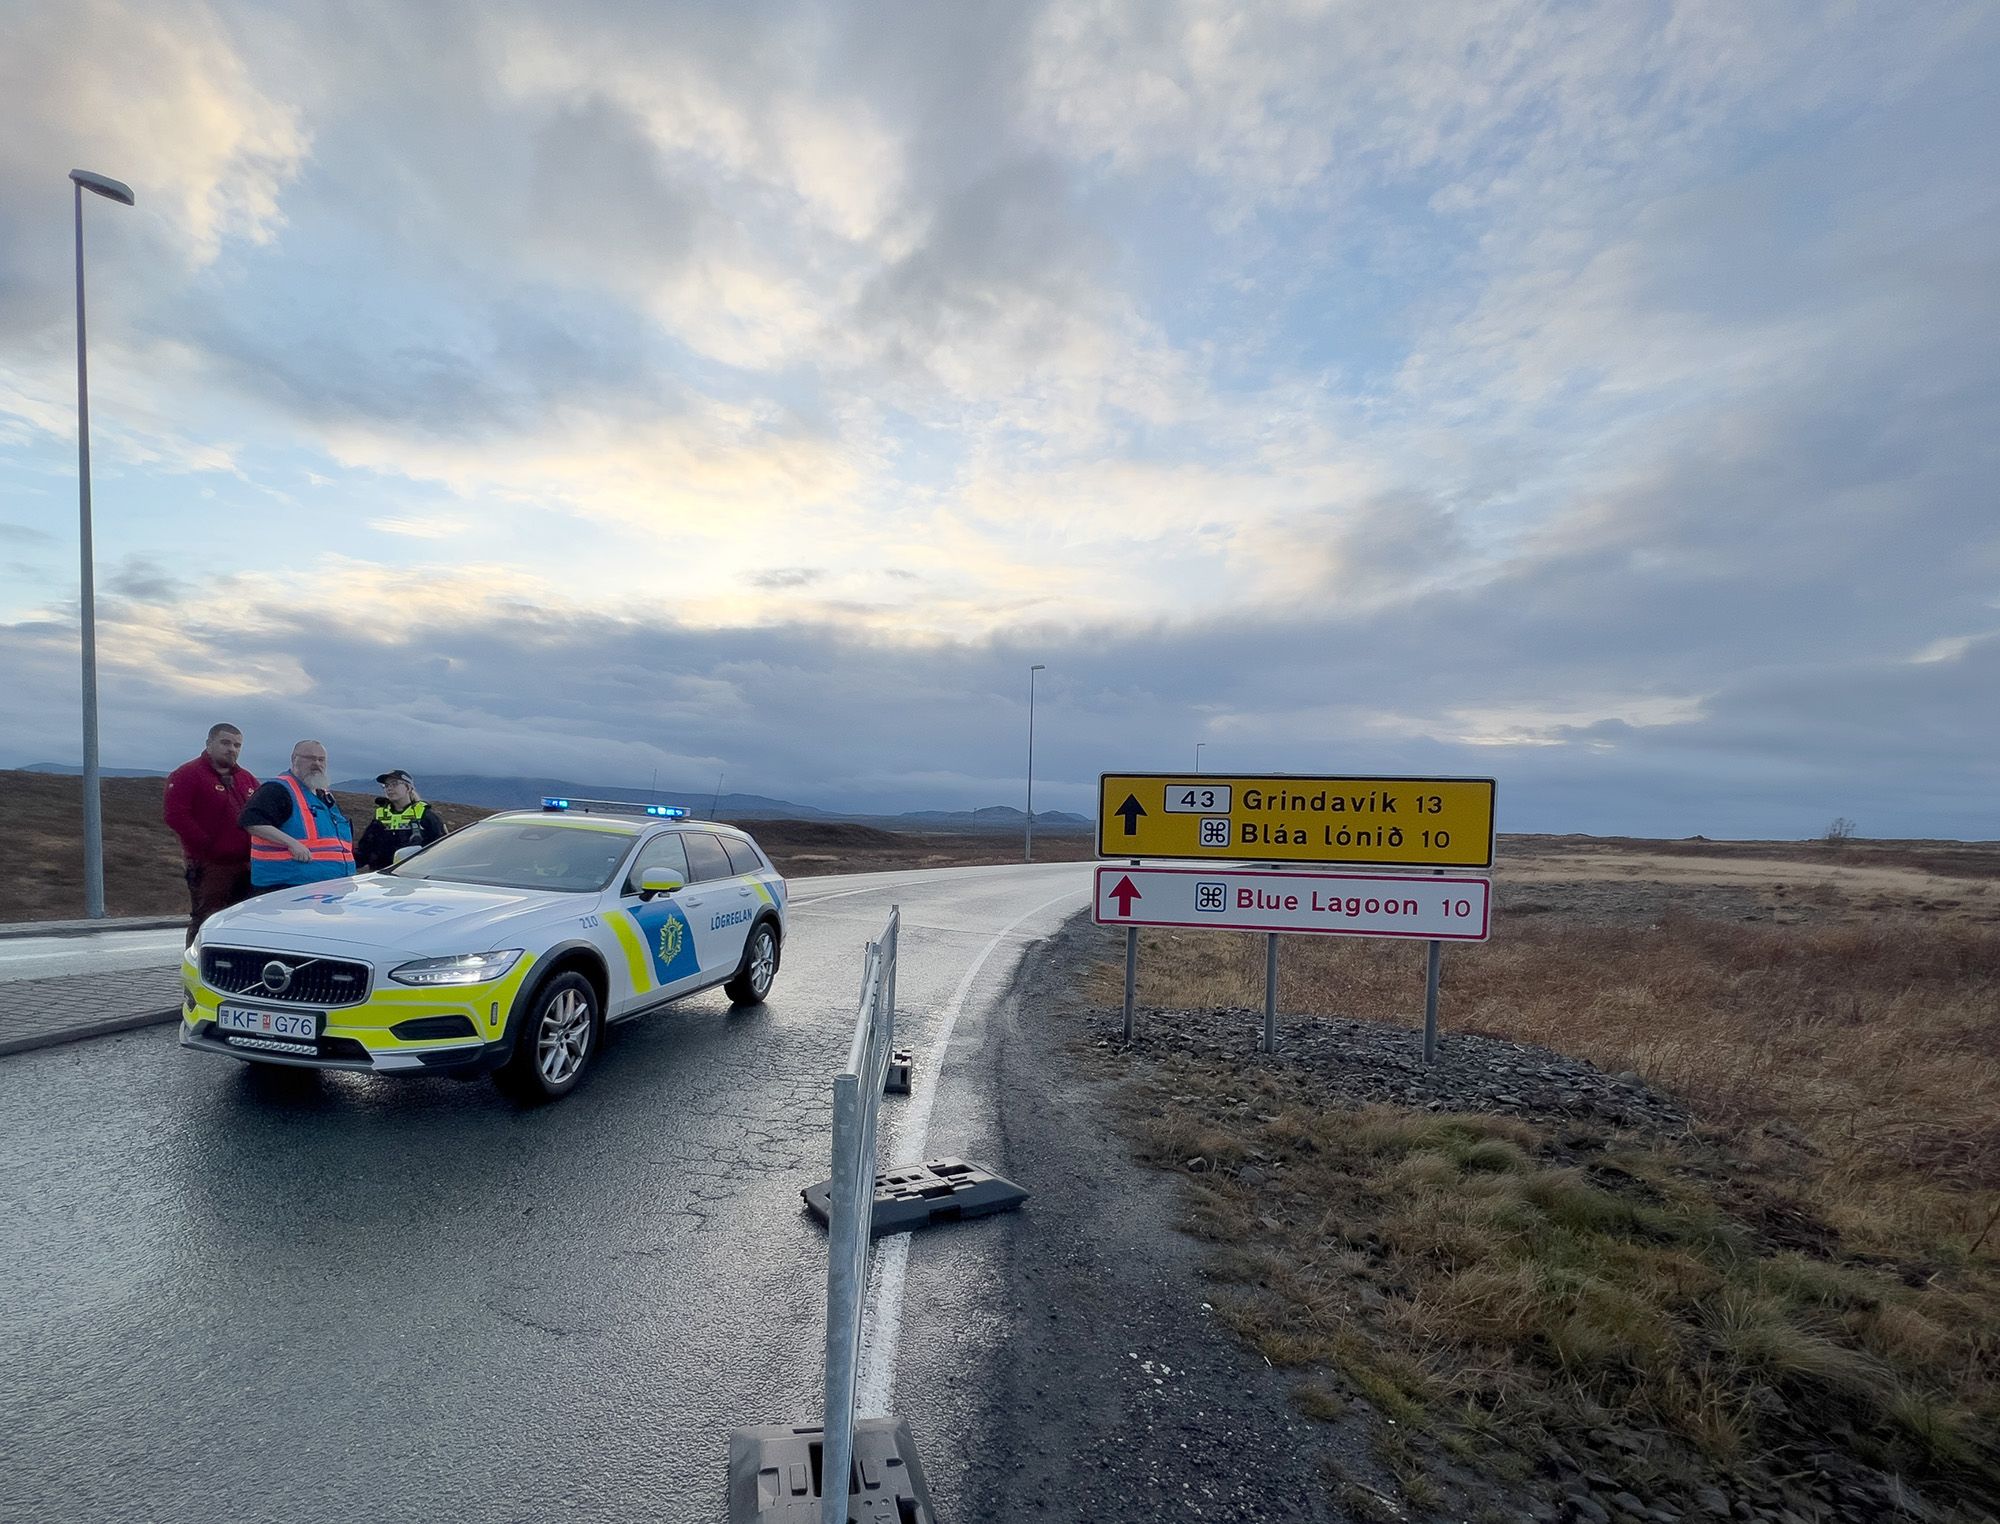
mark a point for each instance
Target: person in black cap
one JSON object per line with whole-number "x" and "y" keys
{"x": 402, "y": 819}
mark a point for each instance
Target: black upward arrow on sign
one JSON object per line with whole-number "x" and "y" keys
{"x": 1131, "y": 809}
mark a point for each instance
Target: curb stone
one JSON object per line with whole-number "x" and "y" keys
{"x": 108, "y": 1027}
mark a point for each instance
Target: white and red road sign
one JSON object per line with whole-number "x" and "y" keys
{"x": 1254, "y": 899}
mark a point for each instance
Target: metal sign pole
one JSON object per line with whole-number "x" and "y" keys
{"x": 1131, "y": 974}
{"x": 1433, "y": 967}
{"x": 1271, "y": 993}
{"x": 1433, "y": 962}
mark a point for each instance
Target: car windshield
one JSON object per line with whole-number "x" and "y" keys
{"x": 523, "y": 854}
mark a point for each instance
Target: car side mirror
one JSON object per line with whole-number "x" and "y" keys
{"x": 406, "y": 852}
{"x": 660, "y": 881}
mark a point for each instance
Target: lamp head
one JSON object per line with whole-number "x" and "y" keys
{"x": 104, "y": 185}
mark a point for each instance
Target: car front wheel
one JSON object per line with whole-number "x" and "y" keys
{"x": 760, "y": 966}
{"x": 559, "y": 1037}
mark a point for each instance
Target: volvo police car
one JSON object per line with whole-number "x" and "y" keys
{"x": 505, "y": 948}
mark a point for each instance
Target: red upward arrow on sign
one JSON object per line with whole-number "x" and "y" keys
{"x": 1125, "y": 891}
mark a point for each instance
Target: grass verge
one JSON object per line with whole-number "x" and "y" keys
{"x": 1818, "y": 1270}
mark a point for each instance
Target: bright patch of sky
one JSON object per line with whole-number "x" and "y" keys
{"x": 1595, "y": 396}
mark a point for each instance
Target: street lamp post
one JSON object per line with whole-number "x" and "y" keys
{"x": 1037, "y": 667}
{"x": 93, "y": 807}
{"x": 1197, "y": 754}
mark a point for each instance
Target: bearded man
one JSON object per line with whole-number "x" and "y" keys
{"x": 203, "y": 800}
{"x": 298, "y": 835}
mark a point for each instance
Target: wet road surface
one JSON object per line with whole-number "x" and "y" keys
{"x": 239, "y": 1293}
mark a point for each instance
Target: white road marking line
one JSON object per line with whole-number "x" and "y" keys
{"x": 879, "y": 1332}
{"x": 841, "y": 894}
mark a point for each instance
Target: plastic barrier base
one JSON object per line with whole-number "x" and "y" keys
{"x": 774, "y": 1475}
{"x": 917, "y": 1195}
{"x": 897, "y": 1081}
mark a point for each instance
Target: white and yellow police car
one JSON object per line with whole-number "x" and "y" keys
{"x": 504, "y": 948}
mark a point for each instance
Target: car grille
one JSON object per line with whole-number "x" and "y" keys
{"x": 306, "y": 981}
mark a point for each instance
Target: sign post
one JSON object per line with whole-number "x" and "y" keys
{"x": 1131, "y": 974}
{"x": 1433, "y": 962}
{"x": 1271, "y": 992}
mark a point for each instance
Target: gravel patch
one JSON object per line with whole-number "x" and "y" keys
{"x": 1357, "y": 1063}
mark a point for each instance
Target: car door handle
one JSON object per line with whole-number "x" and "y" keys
{"x": 746, "y": 892}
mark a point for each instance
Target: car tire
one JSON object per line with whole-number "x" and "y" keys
{"x": 561, "y": 1030}
{"x": 760, "y": 966}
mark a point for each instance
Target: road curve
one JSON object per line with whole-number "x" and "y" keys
{"x": 246, "y": 1294}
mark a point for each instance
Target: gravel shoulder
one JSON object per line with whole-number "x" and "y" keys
{"x": 1110, "y": 1392}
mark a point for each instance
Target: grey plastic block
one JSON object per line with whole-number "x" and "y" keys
{"x": 897, "y": 1080}
{"x": 774, "y": 1475}
{"x": 917, "y": 1195}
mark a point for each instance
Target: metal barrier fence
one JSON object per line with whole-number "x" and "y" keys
{"x": 857, "y": 1098}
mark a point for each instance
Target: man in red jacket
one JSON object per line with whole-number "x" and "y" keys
{"x": 204, "y": 797}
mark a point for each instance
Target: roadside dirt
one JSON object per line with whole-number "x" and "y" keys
{"x": 1115, "y": 1394}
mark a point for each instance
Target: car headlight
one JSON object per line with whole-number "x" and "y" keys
{"x": 465, "y": 968}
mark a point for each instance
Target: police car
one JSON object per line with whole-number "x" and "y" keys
{"x": 504, "y": 948}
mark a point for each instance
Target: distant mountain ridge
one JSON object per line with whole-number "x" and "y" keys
{"x": 519, "y": 793}
{"x": 527, "y": 793}
{"x": 522, "y": 793}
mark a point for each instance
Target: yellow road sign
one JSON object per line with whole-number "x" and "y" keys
{"x": 1411, "y": 822}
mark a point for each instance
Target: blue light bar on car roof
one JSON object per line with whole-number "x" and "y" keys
{"x": 553, "y": 805}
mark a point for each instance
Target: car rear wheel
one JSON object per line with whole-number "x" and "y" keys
{"x": 760, "y": 966}
{"x": 559, "y": 1037}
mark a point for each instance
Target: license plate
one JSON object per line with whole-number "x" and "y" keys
{"x": 300, "y": 1026}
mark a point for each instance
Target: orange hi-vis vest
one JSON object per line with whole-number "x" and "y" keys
{"x": 332, "y": 853}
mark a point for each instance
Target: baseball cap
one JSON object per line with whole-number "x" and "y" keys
{"x": 396, "y": 775}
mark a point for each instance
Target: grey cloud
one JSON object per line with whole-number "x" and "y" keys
{"x": 954, "y": 75}
{"x": 1008, "y": 264}
{"x": 788, "y": 576}
{"x": 1389, "y": 546}
{"x": 598, "y": 181}
{"x": 1778, "y": 751}
{"x": 145, "y": 581}
{"x": 526, "y": 355}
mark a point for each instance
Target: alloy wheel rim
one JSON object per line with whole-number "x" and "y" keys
{"x": 763, "y": 963}
{"x": 563, "y": 1040}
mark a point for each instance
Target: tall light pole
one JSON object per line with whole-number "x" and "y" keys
{"x": 93, "y": 806}
{"x": 1197, "y": 754}
{"x": 1037, "y": 667}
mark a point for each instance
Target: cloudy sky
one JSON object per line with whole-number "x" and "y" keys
{"x": 1601, "y": 398}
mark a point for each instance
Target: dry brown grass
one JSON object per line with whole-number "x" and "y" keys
{"x": 1862, "y": 1059}
{"x": 1476, "y": 1286}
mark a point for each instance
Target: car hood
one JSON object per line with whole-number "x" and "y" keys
{"x": 407, "y": 915}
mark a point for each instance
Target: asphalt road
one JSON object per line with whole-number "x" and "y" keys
{"x": 248, "y": 1294}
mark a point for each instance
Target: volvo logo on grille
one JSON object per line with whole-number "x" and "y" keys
{"x": 277, "y": 977}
